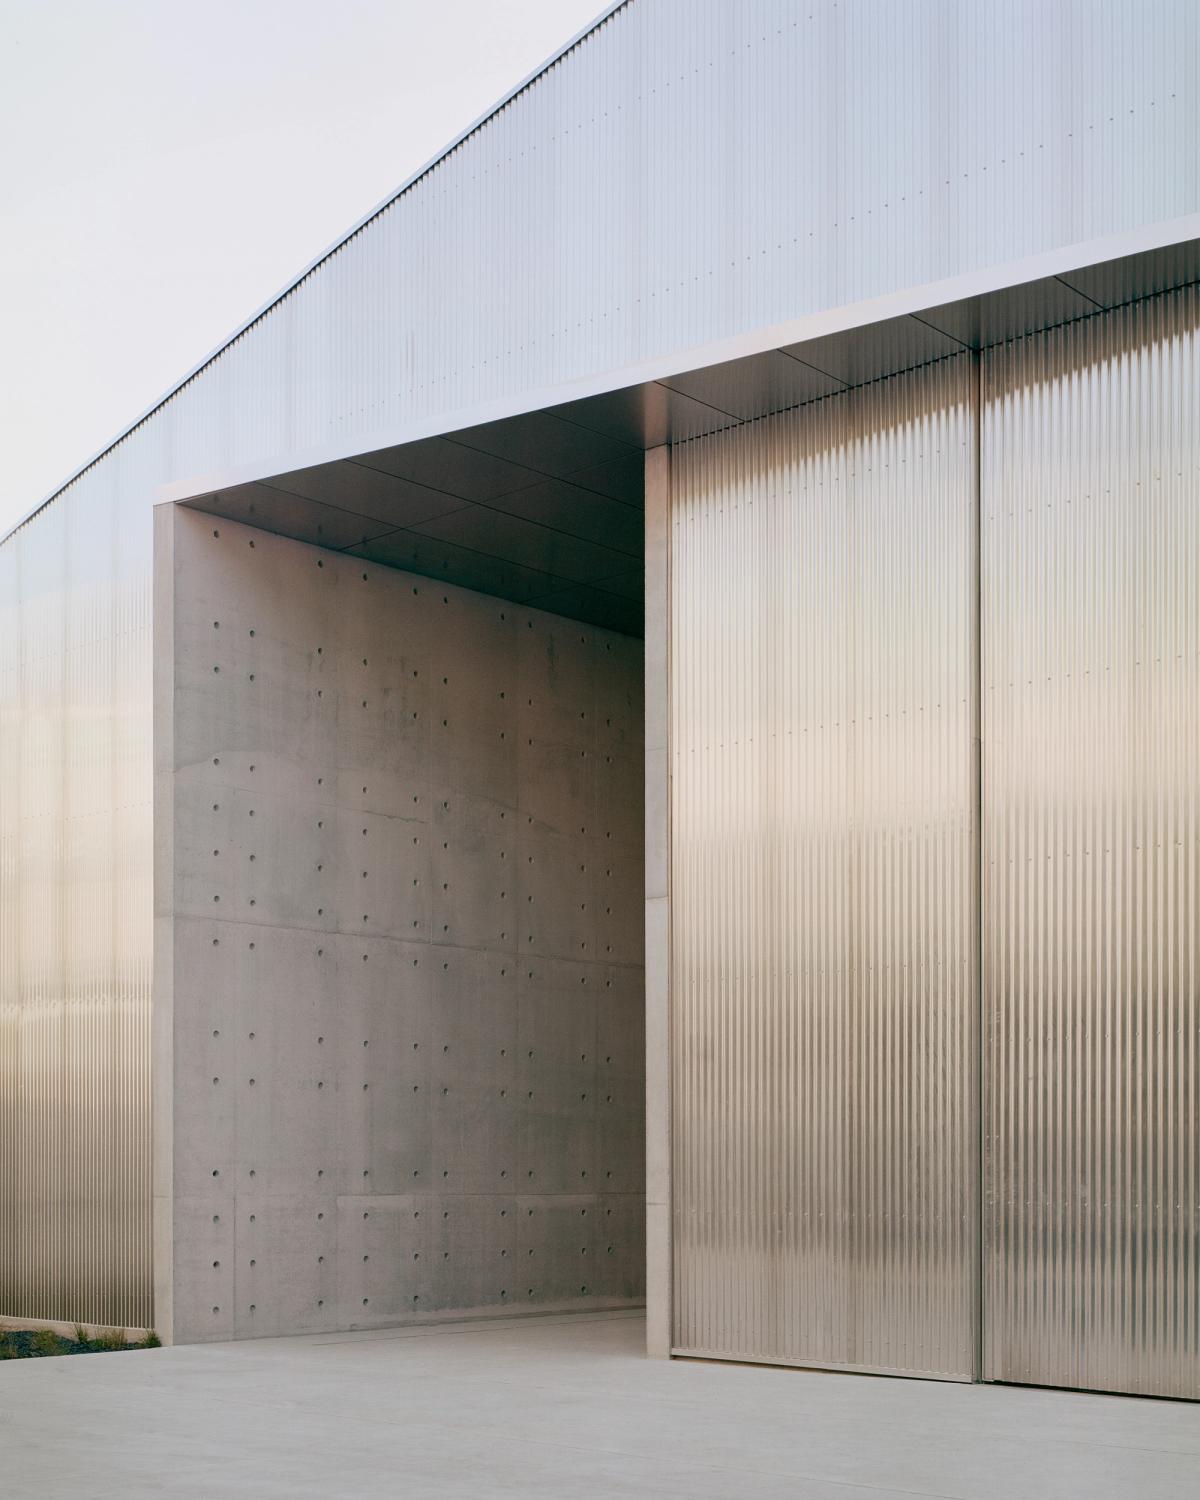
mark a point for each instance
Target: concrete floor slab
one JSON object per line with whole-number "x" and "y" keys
{"x": 555, "y": 1407}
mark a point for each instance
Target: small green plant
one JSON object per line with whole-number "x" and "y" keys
{"x": 37, "y": 1343}
{"x": 34, "y": 1343}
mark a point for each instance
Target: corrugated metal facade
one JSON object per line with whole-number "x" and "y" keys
{"x": 75, "y": 917}
{"x": 823, "y": 881}
{"x": 831, "y": 1088}
{"x": 691, "y": 170}
{"x": 1091, "y": 840}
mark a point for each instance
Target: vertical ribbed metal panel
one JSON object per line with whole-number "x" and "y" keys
{"x": 816, "y": 156}
{"x": 1091, "y": 845}
{"x": 693, "y": 170}
{"x": 824, "y": 880}
{"x": 76, "y": 915}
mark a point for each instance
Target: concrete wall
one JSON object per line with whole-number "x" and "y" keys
{"x": 399, "y": 986}
{"x": 658, "y": 907}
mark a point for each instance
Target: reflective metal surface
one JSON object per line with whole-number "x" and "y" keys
{"x": 823, "y": 866}
{"x": 690, "y": 172}
{"x": 544, "y": 507}
{"x": 75, "y": 915}
{"x": 658, "y": 236}
{"x": 1091, "y": 852}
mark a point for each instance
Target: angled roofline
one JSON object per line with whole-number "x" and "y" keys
{"x": 964, "y": 288}
{"x": 344, "y": 239}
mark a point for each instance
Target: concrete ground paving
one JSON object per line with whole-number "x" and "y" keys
{"x": 562, "y": 1407}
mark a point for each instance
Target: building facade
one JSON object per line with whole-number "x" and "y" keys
{"x": 631, "y": 736}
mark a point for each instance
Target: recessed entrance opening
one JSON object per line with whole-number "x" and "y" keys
{"x": 830, "y": 921}
{"x": 408, "y": 916}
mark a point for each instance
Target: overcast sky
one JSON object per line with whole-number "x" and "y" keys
{"x": 167, "y": 165}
